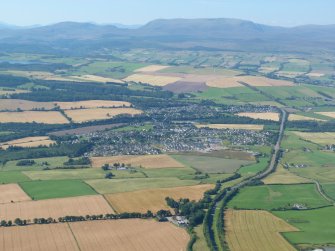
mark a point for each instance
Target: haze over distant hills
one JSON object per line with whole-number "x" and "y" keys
{"x": 205, "y": 34}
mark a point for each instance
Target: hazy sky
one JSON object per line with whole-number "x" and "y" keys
{"x": 273, "y": 12}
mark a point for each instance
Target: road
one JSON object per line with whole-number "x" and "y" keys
{"x": 271, "y": 168}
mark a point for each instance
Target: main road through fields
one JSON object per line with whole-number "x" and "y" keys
{"x": 271, "y": 168}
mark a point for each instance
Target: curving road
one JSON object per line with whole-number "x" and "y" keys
{"x": 271, "y": 168}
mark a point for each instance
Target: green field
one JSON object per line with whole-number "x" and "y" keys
{"x": 87, "y": 173}
{"x": 211, "y": 164}
{"x": 126, "y": 185}
{"x": 12, "y": 177}
{"x": 109, "y": 69}
{"x": 317, "y": 226}
{"x": 329, "y": 189}
{"x": 40, "y": 190}
{"x": 52, "y": 161}
{"x": 254, "y": 168}
{"x": 278, "y": 196}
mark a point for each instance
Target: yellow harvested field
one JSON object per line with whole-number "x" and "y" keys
{"x": 156, "y": 80}
{"x": 263, "y": 81}
{"x": 295, "y": 117}
{"x": 84, "y": 115}
{"x": 256, "y": 230}
{"x": 4, "y": 92}
{"x": 146, "y": 161}
{"x": 315, "y": 74}
{"x": 95, "y": 78}
{"x": 222, "y": 82}
{"x": 130, "y": 234}
{"x": 89, "y": 104}
{"x": 24, "y": 105}
{"x": 152, "y": 68}
{"x": 76, "y": 206}
{"x": 40, "y": 75}
{"x": 50, "y": 117}
{"x": 261, "y": 115}
{"x": 321, "y": 138}
{"x": 283, "y": 176}
{"x": 232, "y": 126}
{"x": 12, "y": 193}
{"x": 28, "y": 142}
{"x": 51, "y": 237}
{"x": 154, "y": 199}
{"x": 328, "y": 114}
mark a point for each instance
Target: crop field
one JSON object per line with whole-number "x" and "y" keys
{"x": 256, "y": 230}
{"x": 317, "y": 226}
{"x": 25, "y": 105}
{"x": 154, "y": 199}
{"x": 321, "y": 138}
{"x": 86, "y": 173}
{"x": 91, "y": 104}
{"x": 144, "y": 161}
{"x": 209, "y": 164}
{"x": 105, "y": 186}
{"x": 232, "y": 126}
{"x": 328, "y": 114}
{"x": 28, "y": 142}
{"x": 223, "y": 82}
{"x": 52, "y": 237}
{"x": 4, "y": 92}
{"x": 132, "y": 234}
{"x": 48, "y": 189}
{"x": 55, "y": 208}
{"x": 12, "y": 193}
{"x": 297, "y": 117}
{"x": 12, "y": 177}
{"x": 278, "y": 196}
{"x": 95, "y": 78}
{"x": 50, "y": 117}
{"x": 156, "y": 80}
{"x": 202, "y": 71}
{"x": 152, "y": 68}
{"x": 84, "y": 115}
{"x": 258, "y": 115}
{"x": 283, "y": 176}
{"x": 262, "y": 81}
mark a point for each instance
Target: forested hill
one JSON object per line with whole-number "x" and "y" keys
{"x": 228, "y": 34}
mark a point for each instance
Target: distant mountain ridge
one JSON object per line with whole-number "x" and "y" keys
{"x": 221, "y": 33}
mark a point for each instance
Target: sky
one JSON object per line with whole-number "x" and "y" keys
{"x": 271, "y": 12}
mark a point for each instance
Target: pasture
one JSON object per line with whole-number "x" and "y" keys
{"x": 297, "y": 117}
{"x": 12, "y": 193}
{"x": 12, "y": 177}
{"x": 328, "y": 114}
{"x": 156, "y": 80}
{"x": 55, "y": 208}
{"x": 85, "y": 173}
{"x": 28, "y": 142}
{"x": 260, "y": 115}
{"x": 49, "y": 117}
{"x": 39, "y": 164}
{"x": 47, "y": 189}
{"x": 284, "y": 176}
{"x": 211, "y": 164}
{"x": 329, "y": 189}
{"x": 317, "y": 226}
{"x": 254, "y": 168}
{"x": 232, "y": 126}
{"x": 278, "y": 196}
{"x": 132, "y": 234}
{"x": 321, "y": 138}
{"x": 154, "y": 199}
{"x": 256, "y": 230}
{"x": 262, "y": 81}
{"x": 84, "y": 115}
{"x": 144, "y": 161}
{"x": 127, "y": 185}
